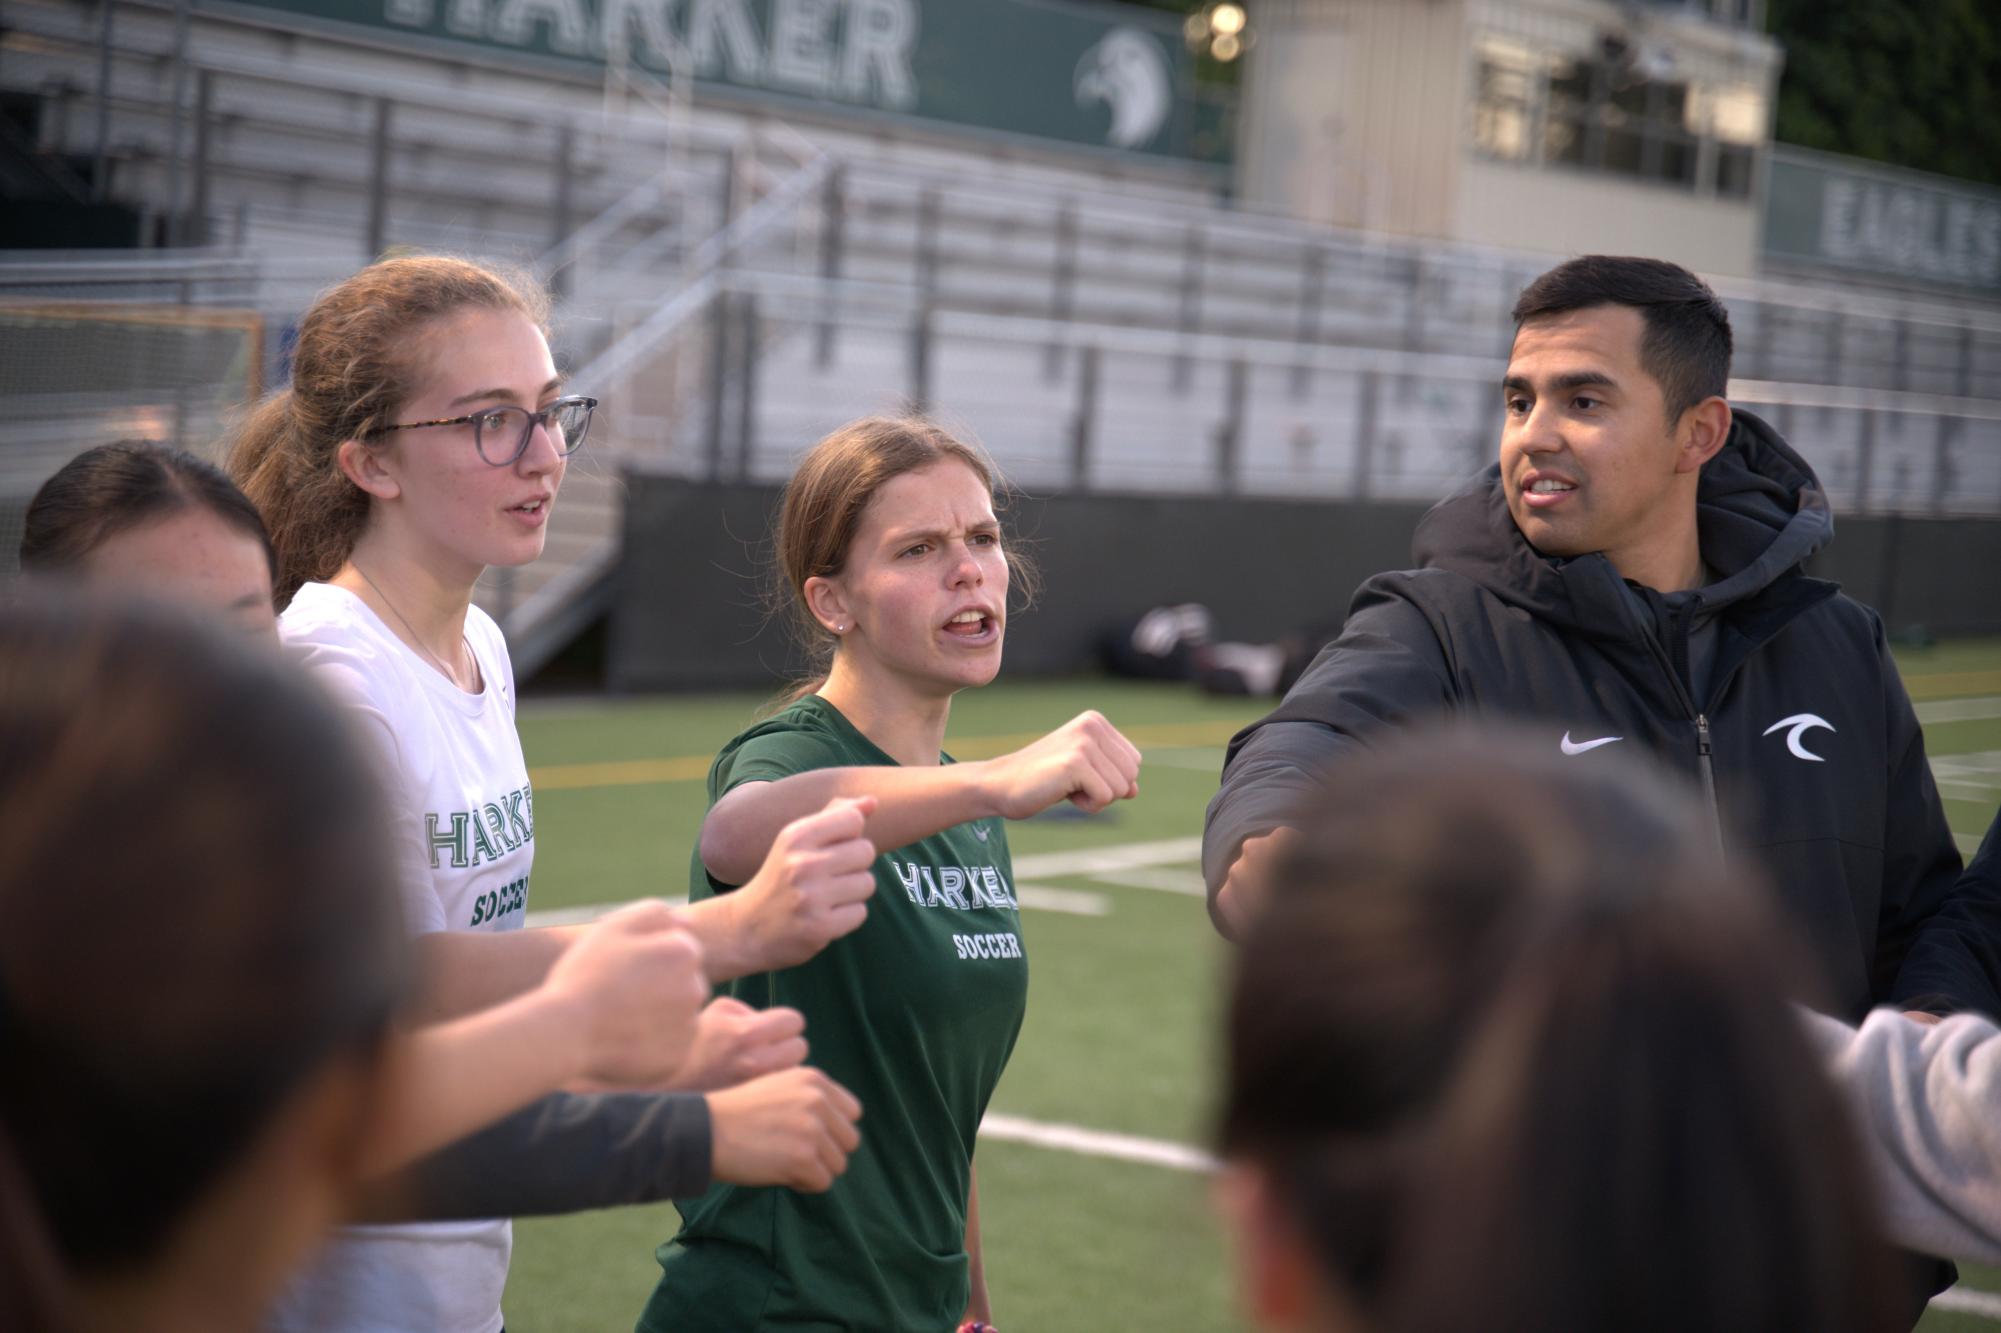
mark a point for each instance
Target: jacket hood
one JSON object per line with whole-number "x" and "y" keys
{"x": 1760, "y": 512}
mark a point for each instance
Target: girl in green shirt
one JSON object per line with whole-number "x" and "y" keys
{"x": 895, "y": 562}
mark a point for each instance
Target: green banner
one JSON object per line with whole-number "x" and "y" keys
{"x": 1849, "y": 216}
{"x": 1118, "y": 80}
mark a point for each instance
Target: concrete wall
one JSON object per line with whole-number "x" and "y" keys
{"x": 1926, "y": 574}
{"x": 1564, "y": 212}
{"x": 1353, "y": 113}
{"x": 688, "y": 612}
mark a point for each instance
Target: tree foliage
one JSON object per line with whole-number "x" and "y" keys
{"x": 1915, "y": 83}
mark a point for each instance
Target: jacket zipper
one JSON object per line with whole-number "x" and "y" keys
{"x": 1708, "y": 778}
{"x": 1702, "y": 746}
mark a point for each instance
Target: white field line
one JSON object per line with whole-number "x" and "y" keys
{"x": 1096, "y": 1143}
{"x": 1968, "y": 843}
{"x": 1963, "y": 1299}
{"x": 1184, "y": 880}
{"x": 1959, "y": 710}
{"x": 1974, "y": 776}
{"x": 1173, "y": 1156}
{"x": 1098, "y": 860}
{"x": 1074, "y": 902}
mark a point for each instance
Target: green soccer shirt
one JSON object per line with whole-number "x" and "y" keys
{"x": 916, "y": 1013}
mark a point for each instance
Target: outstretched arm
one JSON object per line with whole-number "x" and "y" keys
{"x": 620, "y": 1008}
{"x": 567, "y": 1153}
{"x": 1927, "y": 1098}
{"x": 1085, "y": 761}
{"x": 1386, "y": 668}
{"x": 466, "y": 971}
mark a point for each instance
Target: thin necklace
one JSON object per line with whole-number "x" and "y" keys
{"x": 416, "y": 640}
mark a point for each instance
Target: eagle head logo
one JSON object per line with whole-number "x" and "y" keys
{"x": 1127, "y": 72}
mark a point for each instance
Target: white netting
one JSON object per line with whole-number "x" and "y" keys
{"x": 73, "y": 375}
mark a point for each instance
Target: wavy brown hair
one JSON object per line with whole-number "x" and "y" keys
{"x": 360, "y": 354}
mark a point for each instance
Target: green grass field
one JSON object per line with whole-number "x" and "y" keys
{"x": 1119, "y": 1035}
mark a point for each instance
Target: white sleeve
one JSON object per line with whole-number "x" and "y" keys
{"x": 344, "y": 675}
{"x": 1928, "y": 1099}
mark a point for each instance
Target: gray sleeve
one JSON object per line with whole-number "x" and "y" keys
{"x": 1386, "y": 667}
{"x": 1928, "y": 1101}
{"x": 563, "y": 1154}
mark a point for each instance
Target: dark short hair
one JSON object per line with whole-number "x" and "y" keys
{"x": 114, "y": 487}
{"x": 1512, "y": 1018}
{"x": 1687, "y": 343}
{"x": 196, "y": 917}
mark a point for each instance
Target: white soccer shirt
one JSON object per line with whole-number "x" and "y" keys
{"x": 462, "y": 821}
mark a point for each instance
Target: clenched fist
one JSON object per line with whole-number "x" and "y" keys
{"x": 794, "y": 1129}
{"x": 735, "y": 1043}
{"x": 813, "y": 887}
{"x": 635, "y": 979}
{"x": 1085, "y": 762}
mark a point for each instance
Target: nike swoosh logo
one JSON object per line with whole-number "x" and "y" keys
{"x": 980, "y": 831}
{"x": 1579, "y": 747}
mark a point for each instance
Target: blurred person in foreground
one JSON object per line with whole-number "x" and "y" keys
{"x": 145, "y": 520}
{"x": 1628, "y": 576}
{"x": 200, "y": 957}
{"x": 1508, "y": 1049}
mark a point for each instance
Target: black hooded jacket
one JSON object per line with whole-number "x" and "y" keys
{"x": 1799, "y": 729}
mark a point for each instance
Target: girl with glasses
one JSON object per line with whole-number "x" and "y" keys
{"x": 424, "y": 437}
{"x": 895, "y": 566}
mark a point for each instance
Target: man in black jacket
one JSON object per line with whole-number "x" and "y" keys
{"x": 1628, "y": 574}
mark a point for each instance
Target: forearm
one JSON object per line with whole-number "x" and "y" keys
{"x": 468, "y": 971}
{"x": 718, "y": 923}
{"x": 562, "y": 1154}
{"x": 1925, "y": 1100}
{"x": 1266, "y": 782}
{"x": 911, "y": 803}
{"x": 454, "y": 1078}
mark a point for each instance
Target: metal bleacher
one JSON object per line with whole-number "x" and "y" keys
{"x": 733, "y": 287}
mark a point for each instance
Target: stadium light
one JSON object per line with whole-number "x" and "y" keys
{"x": 1221, "y": 30}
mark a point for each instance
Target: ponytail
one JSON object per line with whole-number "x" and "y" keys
{"x": 313, "y": 512}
